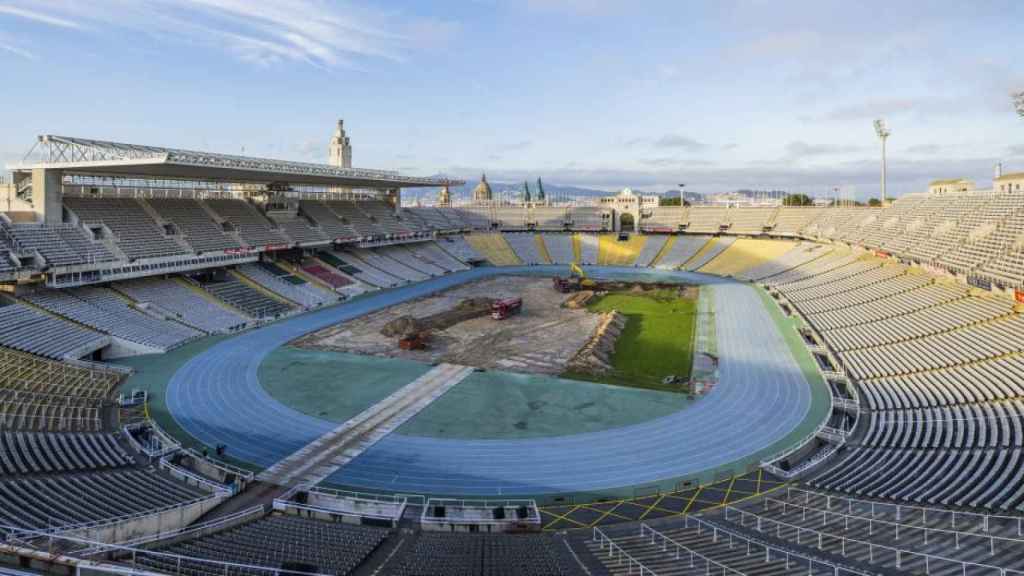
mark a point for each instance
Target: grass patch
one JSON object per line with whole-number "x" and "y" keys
{"x": 657, "y": 341}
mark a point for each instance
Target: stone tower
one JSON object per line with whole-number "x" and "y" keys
{"x": 340, "y": 152}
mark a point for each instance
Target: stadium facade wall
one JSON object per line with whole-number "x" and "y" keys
{"x": 148, "y": 524}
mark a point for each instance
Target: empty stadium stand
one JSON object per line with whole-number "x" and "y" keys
{"x": 196, "y": 224}
{"x": 275, "y": 542}
{"x": 28, "y": 329}
{"x": 559, "y": 247}
{"x": 525, "y": 247}
{"x": 183, "y": 302}
{"x": 286, "y": 285}
{"x": 404, "y": 254}
{"x": 334, "y": 226}
{"x": 366, "y": 273}
{"x": 744, "y": 254}
{"x": 650, "y": 250}
{"x": 138, "y": 235}
{"x": 41, "y": 394}
{"x": 46, "y": 501}
{"x": 59, "y": 245}
{"x": 614, "y": 252}
{"x": 709, "y": 252}
{"x": 377, "y": 259}
{"x": 253, "y": 227}
{"x": 494, "y": 248}
{"x": 684, "y": 248}
{"x": 433, "y": 253}
{"x": 588, "y": 218}
{"x": 587, "y": 248}
{"x": 106, "y": 311}
{"x": 439, "y": 554}
{"x": 45, "y": 453}
{"x": 245, "y": 298}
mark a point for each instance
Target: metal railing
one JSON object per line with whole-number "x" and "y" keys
{"x": 901, "y": 510}
{"x": 616, "y": 552}
{"x": 876, "y": 553}
{"x": 897, "y": 526}
{"x": 770, "y": 551}
{"x": 243, "y": 473}
{"x": 680, "y": 549}
{"x": 54, "y": 531}
{"x": 131, "y": 566}
{"x": 185, "y": 475}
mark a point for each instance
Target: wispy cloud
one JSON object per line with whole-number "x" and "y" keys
{"x": 799, "y": 149}
{"x": 17, "y": 51}
{"x": 13, "y": 45}
{"x": 37, "y": 16}
{"x": 677, "y": 141}
{"x": 317, "y": 32}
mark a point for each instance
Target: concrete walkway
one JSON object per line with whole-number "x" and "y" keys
{"x": 328, "y": 453}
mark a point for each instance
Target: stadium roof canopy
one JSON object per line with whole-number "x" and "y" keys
{"x": 84, "y": 156}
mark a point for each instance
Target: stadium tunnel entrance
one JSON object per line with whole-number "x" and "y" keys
{"x": 626, "y": 222}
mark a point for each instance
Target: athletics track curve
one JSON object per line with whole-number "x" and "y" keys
{"x": 762, "y": 396}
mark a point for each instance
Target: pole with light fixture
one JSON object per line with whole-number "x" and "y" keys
{"x": 883, "y": 133}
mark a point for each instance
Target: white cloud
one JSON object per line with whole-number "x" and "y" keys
{"x": 677, "y": 141}
{"x": 798, "y": 149}
{"x": 37, "y": 16}
{"x": 266, "y": 32}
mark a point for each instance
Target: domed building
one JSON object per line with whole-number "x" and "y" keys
{"x": 482, "y": 192}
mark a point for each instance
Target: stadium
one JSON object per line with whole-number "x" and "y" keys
{"x": 220, "y": 364}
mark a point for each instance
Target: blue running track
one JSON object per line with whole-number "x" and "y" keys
{"x": 761, "y": 397}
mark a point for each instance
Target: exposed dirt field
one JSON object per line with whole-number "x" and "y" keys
{"x": 542, "y": 338}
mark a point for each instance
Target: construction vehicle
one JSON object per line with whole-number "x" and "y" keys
{"x": 576, "y": 281}
{"x": 504, "y": 308}
{"x": 415, "y": 341}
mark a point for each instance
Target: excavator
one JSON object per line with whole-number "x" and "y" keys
{"x": 576, "y": 281}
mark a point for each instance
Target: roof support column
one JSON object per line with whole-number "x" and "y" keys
{"x": 47, "y": 198}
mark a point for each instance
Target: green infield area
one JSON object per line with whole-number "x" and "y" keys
{"x": 656, "y": 342}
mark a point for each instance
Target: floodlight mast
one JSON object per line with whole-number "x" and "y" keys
{"x": 883, "y": 133}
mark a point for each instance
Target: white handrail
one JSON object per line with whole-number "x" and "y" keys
{"x": 221, "y": 566}
{"x": 900, "y": 553}
{"x": 56, "y": 530}
{"x": 236, "y": 470}
{"x": 957, "y": 534}
{"x": 665, "y": 541}
{"x": 768, "y": 548}
{"x": 216, "y": 487}
{"x": 601, "y": 538}
{"x": 986, "y": 519}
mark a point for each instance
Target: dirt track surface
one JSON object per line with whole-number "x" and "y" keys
{"x": 540, "y": 339}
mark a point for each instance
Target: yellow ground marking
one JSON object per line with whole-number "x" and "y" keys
{"x": 542, "y": 248}
{"x": 728, "y": 490}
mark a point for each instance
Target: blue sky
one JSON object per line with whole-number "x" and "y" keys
{"x": 604, "y": 93}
